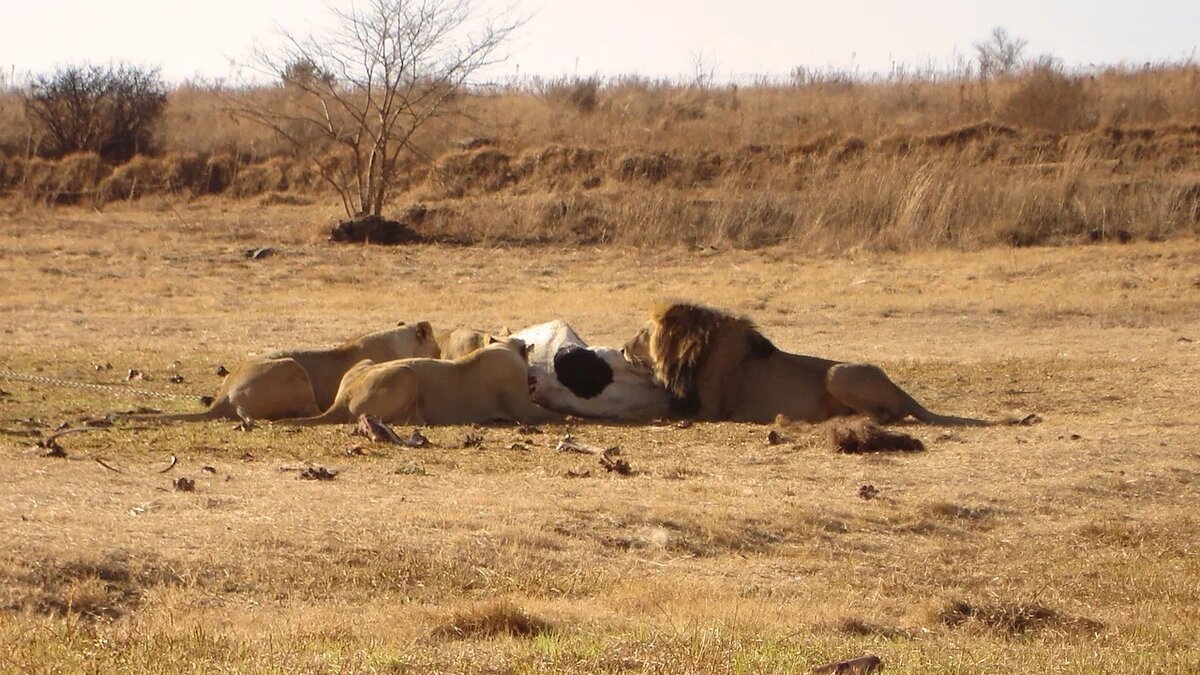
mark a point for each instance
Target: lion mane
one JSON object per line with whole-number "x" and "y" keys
{"x": 691, "y": 343}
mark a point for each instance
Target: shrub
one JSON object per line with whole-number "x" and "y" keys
{"x": 1047, "y": 98}
{"x": 579, "y": 94}
{"x": 103, "y": 109}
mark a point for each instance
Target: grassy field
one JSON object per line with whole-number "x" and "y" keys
{"x": 829, "y": 162}
{"x": 1068, "y": 545}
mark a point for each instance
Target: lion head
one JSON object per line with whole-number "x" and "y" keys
{"x": 517, "y": 345}
{"x": 682, "y": 342}
{"x": 416, "y": 340}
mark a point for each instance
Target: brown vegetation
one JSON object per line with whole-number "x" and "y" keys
{"x": 1065, "y": 544}
{"x": 497, "y": 618}
{"x": 1043, "y": 156}
{"x": 863, "y": 435}
{"x": 1015, "y": 618}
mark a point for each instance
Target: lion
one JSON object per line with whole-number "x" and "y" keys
{"x": 302, "y": 383}
{"x": 462, "y": 341}
{"x": 488, "y": 384}
{"x": 720, "y": 367}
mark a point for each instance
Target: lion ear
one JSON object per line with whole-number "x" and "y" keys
{"x": 505, "y": 331}
{"x": 492, "y": 340}
{"x": 400, "y": 323}
{"x": 424, "y": 331}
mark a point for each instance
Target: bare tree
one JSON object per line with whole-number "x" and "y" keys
{"x": 354, "y": 98}
{"x": 1000, "y": 54}
{"x": 704, "y": 69}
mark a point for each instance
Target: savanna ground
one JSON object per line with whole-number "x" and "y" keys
{"x": 1068, "y": 545}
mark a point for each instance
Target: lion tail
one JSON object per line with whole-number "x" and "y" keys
{"x": 923, "y": 414}
{"x": 335, "y": 415}
{"x": 218, "y": 410}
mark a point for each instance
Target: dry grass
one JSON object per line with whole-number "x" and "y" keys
{"x": 833, "y": 164}
{"x": 1064, "y": 546}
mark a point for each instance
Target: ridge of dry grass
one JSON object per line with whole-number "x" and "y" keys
{"x": 912, "y": 164}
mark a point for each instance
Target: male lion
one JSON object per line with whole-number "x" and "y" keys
{"x": 304, "y": 382}
{"x": 487, "y": 384}
{"x": 720, "y": 367}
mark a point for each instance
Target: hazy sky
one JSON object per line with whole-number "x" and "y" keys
{"x": 651, "y": 37}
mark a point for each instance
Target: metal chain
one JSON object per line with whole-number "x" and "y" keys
{"x": 17, "y": 377}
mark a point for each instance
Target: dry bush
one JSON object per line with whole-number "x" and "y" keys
{"x": 497, "y": 618}
{"x": 572, "y": 93}
{"x": 1016, "y": 618}
{"x": 1050, "y": 99}
{"x": 109, "y": 110}
{"x": 14, "y": 128}
{"x": 71, "y": 180}
{"x": 475, "y": 171}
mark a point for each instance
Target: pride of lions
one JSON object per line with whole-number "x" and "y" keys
{"x": 689, "y": 361}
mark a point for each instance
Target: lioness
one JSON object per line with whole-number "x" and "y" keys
{"x": 720, "y": 367}
{"x": 487, "y": 384}
{"x": 304, "y": 382}
{"x": 463, "y": 341}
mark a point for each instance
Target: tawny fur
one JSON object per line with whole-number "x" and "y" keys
{"x": 720, "y": 367}
{"x": 303, "y": 382}
{"x": 488, "y": 384}
{"x": 463, "y": 341}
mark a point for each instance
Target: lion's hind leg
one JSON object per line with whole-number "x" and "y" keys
{"x": 272, "y": 389}
{"x": 391, "y": 394}
{"x": 866, "y": 389}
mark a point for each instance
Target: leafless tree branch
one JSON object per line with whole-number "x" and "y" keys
{"x": 363, "y": 91}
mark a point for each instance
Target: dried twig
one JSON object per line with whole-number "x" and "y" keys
{"x": 106, "y": 465}
{"x": 174, "y": 460}
{"x": 50, "y": 443}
